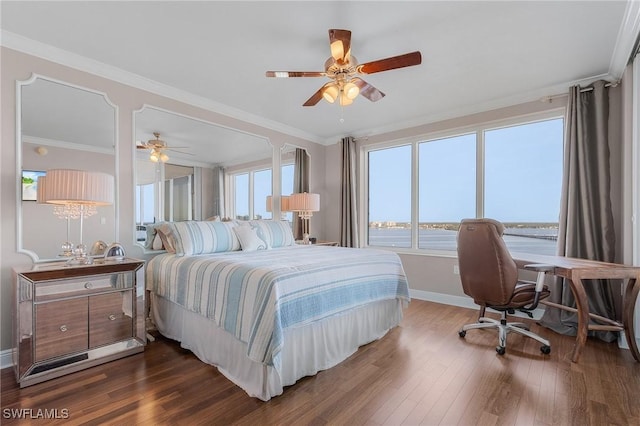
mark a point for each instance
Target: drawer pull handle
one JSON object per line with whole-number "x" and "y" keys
{"x": 88, "y": 285}
{"x": 63, "y": 328}
{"x": 112, "y": 317}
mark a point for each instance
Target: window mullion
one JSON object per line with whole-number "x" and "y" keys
{"x": 414, "y": 196}
{"x": 480, "y": 173}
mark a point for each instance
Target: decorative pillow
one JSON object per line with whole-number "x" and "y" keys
{"x": 151, "y": 233}
{"x": 277, "y": 233}
{"x": 201, "y": 237}
{"x": 165, "y": 231}
{"x": 249, "y": 239}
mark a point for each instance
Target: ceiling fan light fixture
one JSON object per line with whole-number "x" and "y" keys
{"x": 154, "y": 156}
{"x": 351, "y": 91}
{"x": 330, "y": 92}
{"x": 164, "y": 157}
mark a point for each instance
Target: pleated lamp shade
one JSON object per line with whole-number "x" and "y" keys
{"x": 304, "y": 202}
{"x": 64, "y": 186}
{"x": 41, "y": 195}
{"x": 284, "y": 203}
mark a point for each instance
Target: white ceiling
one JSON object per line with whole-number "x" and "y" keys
{"x": 476, "y": 55}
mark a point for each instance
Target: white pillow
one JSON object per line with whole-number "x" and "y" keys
{"x": 249, "y": 239}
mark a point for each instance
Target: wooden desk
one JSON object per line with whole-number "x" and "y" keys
{"x": 576, "y": 270}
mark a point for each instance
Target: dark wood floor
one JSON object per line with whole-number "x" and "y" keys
{"x": 419, "y": 373}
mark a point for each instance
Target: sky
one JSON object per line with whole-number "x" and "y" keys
{"x": 523, "y": 176}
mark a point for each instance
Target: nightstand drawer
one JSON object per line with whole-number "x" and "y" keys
{"x": 61, "y": 328}
{"x": 110, "y": 318}
{"x": 83, "y": 286}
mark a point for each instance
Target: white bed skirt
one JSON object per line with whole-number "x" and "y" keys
{"x": 307, "y": 349}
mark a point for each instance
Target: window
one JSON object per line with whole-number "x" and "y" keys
{"x": 241, "y": 196}
{"x": 419, "y": 192}
{"x": 447, "y": 189}
{"x": 523, "y": 178}
{"x": 250, "y": 190}
{"x": 390, "y": 197}
{"x": 261, "y": 189}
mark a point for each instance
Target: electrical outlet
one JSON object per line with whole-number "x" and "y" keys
{"x": 456, "y": 270}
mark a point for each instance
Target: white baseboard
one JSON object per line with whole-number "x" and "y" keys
{"x": 6, "y": 360}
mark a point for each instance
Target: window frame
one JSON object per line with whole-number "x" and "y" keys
{"x": 479, "y": 130}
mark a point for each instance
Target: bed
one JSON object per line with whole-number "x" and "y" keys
{"x": 266, "y": 311}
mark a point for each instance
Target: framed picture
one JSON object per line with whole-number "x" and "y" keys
{"x": 30, "y": 184}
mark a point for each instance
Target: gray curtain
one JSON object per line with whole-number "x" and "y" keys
{"x": 218, "y": 192}
{"x": 300, "y": 184}
{"x": 586, "y": 227}
{"x": 348, "y": 206}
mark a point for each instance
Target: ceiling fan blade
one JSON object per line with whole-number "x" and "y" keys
{"x": 315, "y": 98}
{"x": 367, "y": 90}
{"x": 178, "y": 151}
{"x": 285, "y": 74}
{"x": 400, "y": 61}
{"x": 340, "y": 41}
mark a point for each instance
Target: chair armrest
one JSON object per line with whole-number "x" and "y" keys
{"x": 541, "y": 269}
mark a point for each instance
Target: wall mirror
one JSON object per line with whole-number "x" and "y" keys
{"x": 191, "y": 169}
{"x": 61, "y": 126}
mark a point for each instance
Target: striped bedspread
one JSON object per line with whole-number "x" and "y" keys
{"x": 256, "y": 295}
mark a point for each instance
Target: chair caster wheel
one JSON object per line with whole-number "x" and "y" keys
{"x": 462, "y": 333}
{"x": 501, "y": 350}
{"x": 545, "y": 349}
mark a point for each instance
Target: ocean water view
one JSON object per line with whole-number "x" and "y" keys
{"x": 518, "y": 239}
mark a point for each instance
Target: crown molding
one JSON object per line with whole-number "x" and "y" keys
{"x": 67, "y": 145}
{"x": 534, "y": 95}
{"x": 63, "y": 57}
{"x": 628, "y": 35}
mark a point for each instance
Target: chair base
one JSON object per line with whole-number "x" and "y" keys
{"x": 505, "y": 328}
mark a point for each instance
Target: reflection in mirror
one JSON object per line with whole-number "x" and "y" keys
{"x": 287, "y": 162}
{"x": 209, "y": 172}
{"x": 61, "y": 126}
{"x": 295, "y": 179}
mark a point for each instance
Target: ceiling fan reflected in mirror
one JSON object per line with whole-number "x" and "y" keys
{"x": 342, "y": 68}
{"x": 158, "y": 148}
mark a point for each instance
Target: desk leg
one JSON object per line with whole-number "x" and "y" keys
{"x": 628, "y": 308}
{"x": 582, "y": 305}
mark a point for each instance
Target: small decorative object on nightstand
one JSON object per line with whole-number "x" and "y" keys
{"x": 68, "y": 318}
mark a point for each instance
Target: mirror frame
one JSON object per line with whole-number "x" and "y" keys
{"x": 18, "y": 130}
{"x": 182, "y": 162}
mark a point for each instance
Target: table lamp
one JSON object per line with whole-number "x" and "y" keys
{"x": 77, "y": 193}
{"x": 304, "y": 204}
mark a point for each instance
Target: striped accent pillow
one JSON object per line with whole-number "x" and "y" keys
{"x": 277, "y": 233}
{"x": 201, "y": 237}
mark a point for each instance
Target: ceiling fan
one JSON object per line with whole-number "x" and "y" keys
{"x": 158, "y": 148}
{"x": 342, "y": 68}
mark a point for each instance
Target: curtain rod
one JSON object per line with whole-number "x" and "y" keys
{"x": 583, "y": 90}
